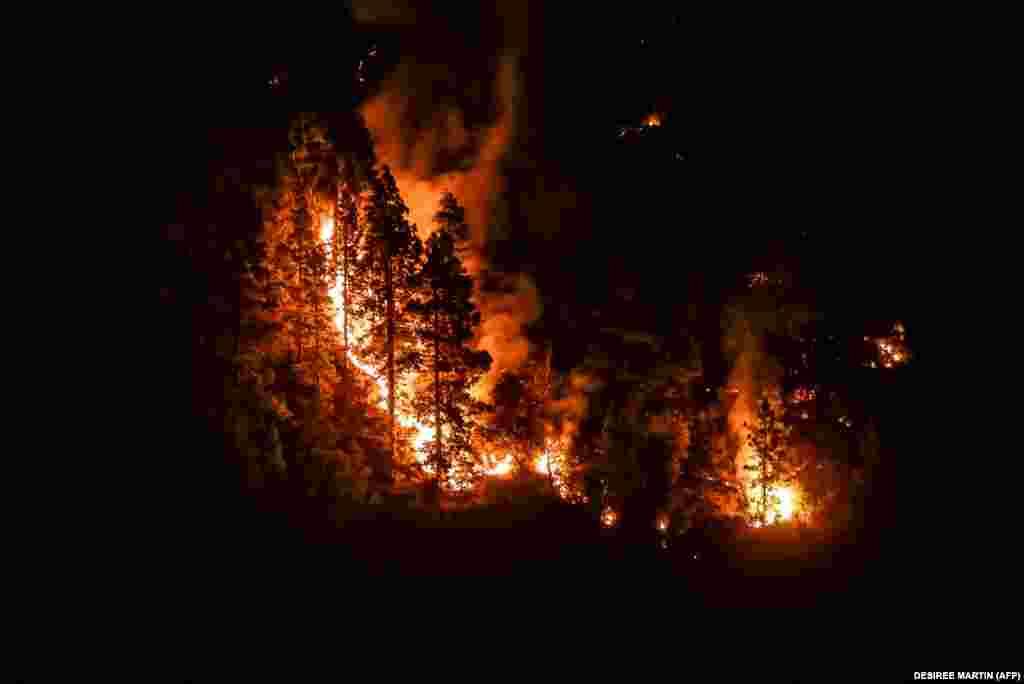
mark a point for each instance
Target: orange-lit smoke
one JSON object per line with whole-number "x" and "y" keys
{"x": 748, "y": 382}
{"x": 414, "y": 156}
{"x": 413, "y": 159}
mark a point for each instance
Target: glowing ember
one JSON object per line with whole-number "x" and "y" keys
{"x": 783, "y": 502}
{"x": 545, "y": 465}
{"x": 787, "y": 503}
{"x": 500, "y": 467}
{"x": 609, "y": 517}
{"x": 892, "y": 351}
{"x": 803, "y": 394}
{"x": 652, "y": 120}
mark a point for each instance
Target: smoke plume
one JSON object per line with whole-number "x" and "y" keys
{"x": 754, "y": 375}
{"x": 435, "y": 140}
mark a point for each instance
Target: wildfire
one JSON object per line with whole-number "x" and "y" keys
{"x": 783, "y": 502}
{"x": 650, "y": 121}
{"x": 787, "y": 502}
{"x": 609, "y": 517}
{"x": 500, "y": 467}
{"x": 423, "y": 433}
{"x": 548, "y": 463}
{"x": 803, "y": 395}
{"x": 892, "y": 350}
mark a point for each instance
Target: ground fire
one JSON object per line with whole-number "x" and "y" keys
{"x": 427, "y": 335}
{"x": 548, "y": 462}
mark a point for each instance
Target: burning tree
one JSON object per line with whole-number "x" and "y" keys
{"x": 626, "y": 445}
{"x": 356, "y": 175}
{"x": 311, "y": 177}
{"x": 389, "y": 267}
{"x": 444, "y": 318}
{"x": 706, "y": 473}
{"x": 892, "y": 350}
{"x": 515, "y": 409}
{"x": 768, "y": 438}
{"x": 288, "y": 349}
{"x": 520, "y": 426}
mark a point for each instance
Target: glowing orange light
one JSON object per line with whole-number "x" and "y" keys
{"x": 652, "y": 120}
{"x": 548, "y": 463}
{"x": 783, "y": 503}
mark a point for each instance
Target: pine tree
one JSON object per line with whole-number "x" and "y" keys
{"x": 289, "y": 339}
{"x": 515, "y": 433}
{"x": 518, "y": 422}
{"x": 706, "y": 473}
{"x": 631, "y": 448}
{"x": 768, "y": 437}
{"x": 356, "y": 176}
{"x": 303, "y": 402}
{"x": 444, "y": 321}
{"x": 314, "y": 172}
{"x": 388, "y": 269}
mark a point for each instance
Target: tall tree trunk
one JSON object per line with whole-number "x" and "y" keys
{"x": 300, "y": 199}
{"x": 341, "y": 234}
{"x": 240, "y": 268}
{"x": 437, "y": 399}
{"x": 764, "y": 491}
{"x": 317, "y": 284}
{"x": 346, "y": 303}
{"x": 389, "y": 296}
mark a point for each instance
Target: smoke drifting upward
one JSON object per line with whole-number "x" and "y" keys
{"x": 420, "y": 159}
{"x": 423, "y": 125}
{"x": 572, "y": 409}
{"x": 744, "y": 407}
{"x": 507, "y": 304}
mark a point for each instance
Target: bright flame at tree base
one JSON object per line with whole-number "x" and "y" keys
{"x": 783, "y": 505}
{"x": 549, "y": 463}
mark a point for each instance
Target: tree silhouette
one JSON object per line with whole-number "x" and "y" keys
{"x": 444, "y": 322}
{"x": 388, "y": 267}
{"x": 768, "y": 437}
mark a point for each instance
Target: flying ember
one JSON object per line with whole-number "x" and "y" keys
{"x": 652, "y": 120}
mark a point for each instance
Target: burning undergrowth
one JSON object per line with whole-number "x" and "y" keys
{"x": 424, "y": 133}
{"x": 754, "y": 422}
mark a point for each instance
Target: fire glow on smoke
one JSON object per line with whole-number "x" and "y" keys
{"x": 549, "y": 463}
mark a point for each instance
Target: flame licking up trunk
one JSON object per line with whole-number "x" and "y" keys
{"x": 783, "y": 502}
{"x": 548, "y": 463}
{"x": 782, "y": 506}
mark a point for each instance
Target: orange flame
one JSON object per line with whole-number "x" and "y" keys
{"x": 609, "y": 517}
{"x": 547, "y": 462}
